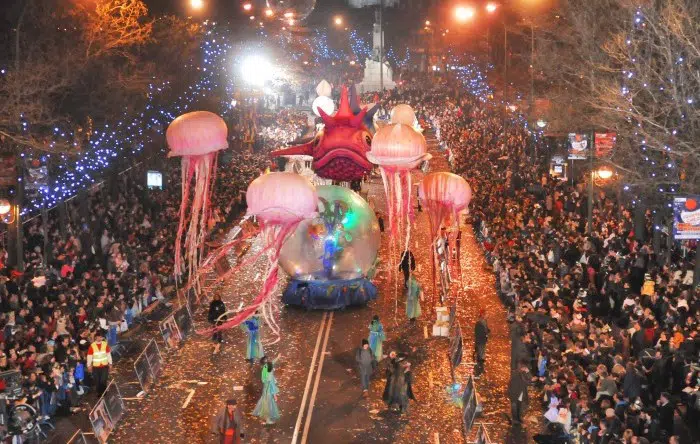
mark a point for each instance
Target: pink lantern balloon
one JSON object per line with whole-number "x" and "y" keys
{"x": 197, "y": 137}
{"x": 279, "y": 201}
{"x": 444, "y": 195}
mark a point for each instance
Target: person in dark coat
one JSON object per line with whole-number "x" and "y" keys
{"x": 216, "y": 309}
{"x": 481, "y": 336}
{"x": 395, "y": 393}
{"x": 517, "y": 392}
{"x": 228, "y": 424}
{"x": 632, "y": 383}
{"x": 365, "y": 364}
{"x": 666, "y": 413}
{"x": 519, "y": 351}
{"x": 408, "y": 264}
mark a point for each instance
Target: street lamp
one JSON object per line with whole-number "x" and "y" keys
{"x": 247, "y": 6}
{"x": 338, "y": 20}
{"x": 197, "y": 4}
{"x": 604, "y": 173}
{"x": 491, "y": 7}
{"x": 427, "y": 23}
{"x": 464, "y": 13}
{"x": 6, "y": 214}
{"x": 268, "y": 12}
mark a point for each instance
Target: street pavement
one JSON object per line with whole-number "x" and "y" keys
{"x": 322, "y": 403}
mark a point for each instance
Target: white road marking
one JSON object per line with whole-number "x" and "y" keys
{"x": 302, "y": 407}
{"x": 307, "y": 424}
{"x": 189, "y": 398}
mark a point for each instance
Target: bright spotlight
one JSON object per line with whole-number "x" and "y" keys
{"x": 256, "y": 70}
{"x": 464, "y": 13}
{"x": 197, "y": 4}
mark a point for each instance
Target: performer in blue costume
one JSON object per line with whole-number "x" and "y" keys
{"x": 376, "y": 338}
{"x": 254, "y": 349}
{"x": 266, "y": 408}
{"x": 413, "y": 294}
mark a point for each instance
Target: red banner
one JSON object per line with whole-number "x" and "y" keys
{"x": 604, "y": 144}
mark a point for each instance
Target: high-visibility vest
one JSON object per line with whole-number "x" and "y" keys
{"x": 100, "y": 357}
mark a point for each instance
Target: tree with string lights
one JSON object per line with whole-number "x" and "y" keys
{"x": 630, "y": 66}
{"x": 73, "y": 63}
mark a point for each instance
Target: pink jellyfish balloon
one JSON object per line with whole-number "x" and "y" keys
{"x": 444, "y": 195}
{"x": 196, "y": 137}
{"x": 397, "y": 149}
{"x": 279, "y": 201}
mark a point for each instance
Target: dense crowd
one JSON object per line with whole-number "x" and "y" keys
{"x": 109, "y": 258}
{"x": 603, "y": 327}
{"x": 283, "y": 128}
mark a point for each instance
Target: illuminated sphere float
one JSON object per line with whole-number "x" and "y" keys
{"x": 329, "y": 256}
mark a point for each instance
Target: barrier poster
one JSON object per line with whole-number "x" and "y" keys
{"x": 170, "y": 332}
{"x": 107, "y": 412}
{"x": 456, "y": 348}
{"x": 183, "y": 321}
{"x": 482, "y": 437}
{"x": 578, "y": 146}
{"x": 686, "y": 217}
{"x": 148, "y": 365}
{"x": 469, "y": 412}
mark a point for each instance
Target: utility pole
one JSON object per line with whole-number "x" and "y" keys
{"x": 381, "y": 45}
{"x": 589, "y": 229}
{"x": 505, "y": 74}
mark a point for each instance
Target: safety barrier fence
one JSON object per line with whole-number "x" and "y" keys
{"x": 106, "y": 414}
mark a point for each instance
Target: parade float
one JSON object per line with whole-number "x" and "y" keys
{"x": 329, "y": 257}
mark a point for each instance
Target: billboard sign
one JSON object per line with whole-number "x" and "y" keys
{"x": 686, "y": 217}
{"x": 604, "y": 144}
{"x": 578, "y": 146}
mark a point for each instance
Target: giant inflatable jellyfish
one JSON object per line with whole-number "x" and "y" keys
{"x": 197, "y": 137}
{"x": 279, "y": 201}
{"x": 328, "y": 257}
{"x": 340, "y": 149}
{"x": 445, "y": 196}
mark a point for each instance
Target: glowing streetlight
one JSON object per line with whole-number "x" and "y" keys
{"x": 197, "y": 4}
{"x": 268, "y": 12}
{"x": 5, "y": 207}
{"x": 491, "y": 7}
{"x": 256, "y": 70}
{"x": 247, "y": 6}
{"x": 464, "y": 13}
{"x": 427, "y": 23}
{"x": 338, "y": 20}
{"x": 604, "y": 173}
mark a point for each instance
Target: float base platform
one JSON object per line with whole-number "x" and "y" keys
{"x": 329, "y": 295}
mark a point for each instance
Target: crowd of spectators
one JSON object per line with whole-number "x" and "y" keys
{"x": 109, "y": 257}
{"x": 606, "y": 324}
